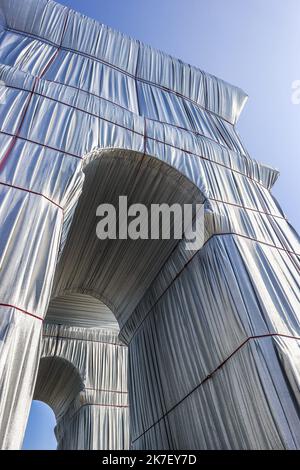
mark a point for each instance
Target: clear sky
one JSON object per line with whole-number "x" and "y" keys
{"x": 254, "y": 44}
{"x": 40, "y": 428}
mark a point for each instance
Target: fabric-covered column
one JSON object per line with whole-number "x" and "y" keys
{"x": 37, "y": 197}
{"x": 39, "y": 188}
{"x": 214, "y": 348}
{"x": 30, "y": 233}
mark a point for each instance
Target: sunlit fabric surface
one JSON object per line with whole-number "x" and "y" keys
{"x": 213, "y": 335}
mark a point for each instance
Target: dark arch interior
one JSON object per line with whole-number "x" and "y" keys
{"x": 118, "y": 272}
{"x": 58, "y": 383}
{"x": 98, "y": 282}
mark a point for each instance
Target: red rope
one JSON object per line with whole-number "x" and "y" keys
{"x": 209, "y": 376}
{"x": 189, "y": 152}
{"x": 59, "y": 46}
{"x": 119, "y": 69}
{"x": 25, "y": 109}
{"x": 104, "y": 390}
{"x": 31, "y": 192}
{"x": 85, "y": 339}
{"x": 192, "y": 257}
{"x": 35, "y": 142}
{"x": 23, "y": 311}
{"x": 17, "y": 133}
{"x": 94, "y": 404}
{"x": 104, "y": 405}
{"x": 145, "y": 137}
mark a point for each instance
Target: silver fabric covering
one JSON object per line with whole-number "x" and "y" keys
{"x": 83, "y": 374}
{"x": 213, "y": 336}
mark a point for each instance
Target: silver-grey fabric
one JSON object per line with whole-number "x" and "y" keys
{"x": 83, "y": 375}
{"x": 213, "y": 335}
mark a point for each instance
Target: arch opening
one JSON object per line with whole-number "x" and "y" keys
{"x": 98, "y": 283}
{"x": 58, "y": 384}
{"x": 39, "y": 434}
{"x": 83, "y": 374}
{"x": 119, "y": 271}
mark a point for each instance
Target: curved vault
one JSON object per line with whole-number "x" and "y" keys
{"x": 98, "y": 282}
{"x": 58, "y": 383}
{"x": 75, "y": 309}
{"x": 118, "y": 272}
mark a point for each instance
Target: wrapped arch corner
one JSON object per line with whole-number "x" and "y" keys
{"x": 136, "y": 343}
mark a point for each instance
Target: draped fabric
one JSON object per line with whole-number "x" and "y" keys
{"x": 229, "y": 369}
{"x": 83, "y": 377}
{"x": 213, "y": 335}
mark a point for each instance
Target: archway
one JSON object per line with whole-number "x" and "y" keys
{"x": 117, "y": 272}
{"x": 83, "y": 374}
{"x": 58, "y": 384}
{"x": 210, "y": 334}
{"x": 39, "y": 434}
{"x": 167, "y": 302}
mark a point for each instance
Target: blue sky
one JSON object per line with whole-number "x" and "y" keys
{"x": 40, "y": 428}
{"x": 254, "y": 44}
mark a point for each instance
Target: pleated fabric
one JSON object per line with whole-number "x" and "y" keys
{"x": 83, "y": 377}
{"x": 212, "y": 335}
